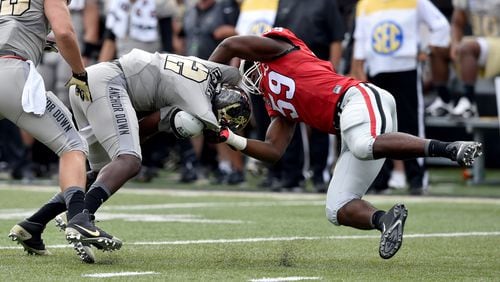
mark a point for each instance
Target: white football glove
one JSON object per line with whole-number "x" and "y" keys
{"x": 185, "y": 125}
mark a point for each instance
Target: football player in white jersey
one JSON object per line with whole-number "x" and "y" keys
{"x": 186, "y": 96}
{"x": 24, "y": 26}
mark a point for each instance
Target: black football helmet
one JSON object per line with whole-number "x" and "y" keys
{"x": 231, "y": 106}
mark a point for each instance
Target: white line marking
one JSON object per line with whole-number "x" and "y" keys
{"x": 278, "y": 279}
{"x": 185, "y": 218}
{"x": 116, "y": 274}
{"x": 273, "y": 239}
{"x": 261, "y": 194}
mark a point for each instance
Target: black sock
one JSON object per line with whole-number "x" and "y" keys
{"x": 376, "y": 219}
{"x": 444, "y": 93}
{"x": 97, "y": 195}
{"x": 435, "y": 148}
{"x": 47, "y": 212}
{"x": 74, "y": 197}
{"x": 469, "y": 92}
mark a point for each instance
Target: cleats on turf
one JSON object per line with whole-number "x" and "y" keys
{"x": 29, "y": 235}
{"x": 84, "y": 252}
{"x": 81, "y": 229}
{"x": 61, "y": 221}
{"x": 393, "y": 223}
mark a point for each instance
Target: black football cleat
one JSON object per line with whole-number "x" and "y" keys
{"x": 29, "y": 235}
{"x": 393, "y": 223}
{"x": 84, "y": 252}
{"x": 81, "y": 229}
{"x": 61, "y": 221}
{"x": 464, "y": 152}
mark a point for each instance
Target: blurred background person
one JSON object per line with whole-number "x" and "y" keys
{"x": 476, "y": 55}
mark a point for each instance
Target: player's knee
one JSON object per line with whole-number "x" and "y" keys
{"x": 132, "y": 163}
{"x": 74, "y": 144}
{"x": 362, "y": 148}
{"x": 331, "y": 215}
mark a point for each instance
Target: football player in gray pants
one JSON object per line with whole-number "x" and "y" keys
{"x": 24, "y": 26}
{"x": 186, "y": 95}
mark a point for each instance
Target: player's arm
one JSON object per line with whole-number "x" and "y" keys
{"x": 278, "y": 136}
{"x": 248, "y": 47}
{"x": 57, "y": 13}
{"x": 148, "y": 126}
{"x": 458, "y": 22}
{"x": 91, "y": 46}
{"x": 438, "y": 25}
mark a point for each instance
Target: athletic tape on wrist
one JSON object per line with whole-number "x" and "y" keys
{"x": 238, "y": 142}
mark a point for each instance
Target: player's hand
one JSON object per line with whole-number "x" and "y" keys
{"x": 50, "y": 46}
{"x": 216, "y": 137}
{"x": 80, "y": 80}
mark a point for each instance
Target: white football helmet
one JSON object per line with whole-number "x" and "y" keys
{"x": 250, "y": 77}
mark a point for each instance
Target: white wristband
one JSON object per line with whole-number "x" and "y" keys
{"x": 238, "y": 142}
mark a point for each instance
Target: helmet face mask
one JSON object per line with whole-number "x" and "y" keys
{"x": 250, "y": 77}
{"x": 232, "y": 107}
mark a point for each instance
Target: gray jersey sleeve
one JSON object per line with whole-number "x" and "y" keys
{"x": 23, "y": 28}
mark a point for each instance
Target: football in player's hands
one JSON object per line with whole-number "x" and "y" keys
{"x": 187, "y": 125}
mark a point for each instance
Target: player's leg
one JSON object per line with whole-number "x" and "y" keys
{"x": 402, "y": 146}
{"x": 56, "y": 130}
{"x": 93, "y": 118}
{"x": 365, "y": 115}
{"x": 469, "y": 61}
{"x": 114, "y": 123}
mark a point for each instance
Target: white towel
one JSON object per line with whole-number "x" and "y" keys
{"x": 135, "y": 20}
{"x": 34, "y": 98}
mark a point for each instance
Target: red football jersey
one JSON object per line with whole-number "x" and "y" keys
{"x": 300, "y": 86}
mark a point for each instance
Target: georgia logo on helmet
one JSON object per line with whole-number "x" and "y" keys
{"x": 231, "y": 106}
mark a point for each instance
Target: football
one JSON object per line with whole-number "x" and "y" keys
{"x": 187, "y": 125}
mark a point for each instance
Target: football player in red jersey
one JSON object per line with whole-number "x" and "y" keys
{"x": 299, "y": 87}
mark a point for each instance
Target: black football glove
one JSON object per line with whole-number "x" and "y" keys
{"x": 80, "y": 80}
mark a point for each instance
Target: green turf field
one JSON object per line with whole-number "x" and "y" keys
{"x": 197, "y": 233}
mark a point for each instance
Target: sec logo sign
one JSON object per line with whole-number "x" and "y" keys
{"x": 387, "y": 38}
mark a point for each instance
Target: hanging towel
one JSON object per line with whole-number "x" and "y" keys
{"x": 137, "y": 21}
{"x": 34, "y": 98}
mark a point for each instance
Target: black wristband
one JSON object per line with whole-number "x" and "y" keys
{"x": 90, "y": 50}
{"x": 81, "y": 76}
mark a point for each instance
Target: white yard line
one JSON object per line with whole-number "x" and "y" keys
{"x": 266, "y": 195}
{"x": 186, "y": 218}
{"x": 279, "y": 279}
{"x": 274, "y": 239}
{"x": 117, "y": 274}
